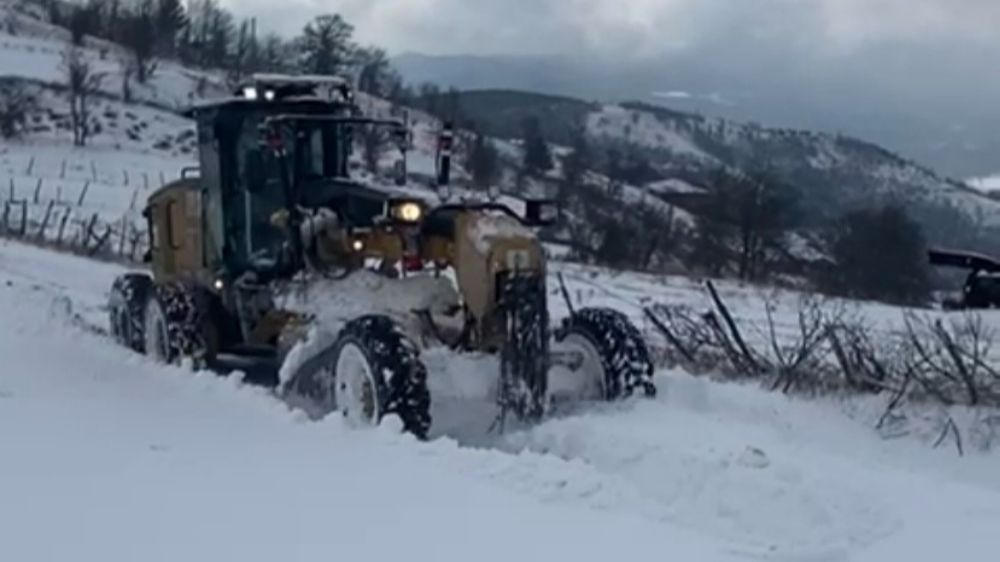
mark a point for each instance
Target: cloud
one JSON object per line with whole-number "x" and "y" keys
{"x": 636, "y": 27}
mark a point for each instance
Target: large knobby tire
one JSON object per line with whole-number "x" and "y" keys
{"x": 622, "y": 357}
{"x": 178, "y": 324}
{"x": 127, "y": 309}
{"x": 371, "y": 371}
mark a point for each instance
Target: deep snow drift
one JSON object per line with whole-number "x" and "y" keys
{"x": 105, "y": 456}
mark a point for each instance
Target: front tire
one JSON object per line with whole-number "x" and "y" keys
{"x": 614, "y": 352}
{"x": 371, "y": 371}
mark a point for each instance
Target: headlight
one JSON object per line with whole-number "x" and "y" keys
{"x": 408, "y": 212}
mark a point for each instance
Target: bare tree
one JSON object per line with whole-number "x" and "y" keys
{"x": 745, "y": 215}
{"x": 81, "y": 83}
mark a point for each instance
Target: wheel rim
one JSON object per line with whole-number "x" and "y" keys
{"x": 356, "y": 395}
{"x": 157, "y": 342}
{"x": 585, "y": 383}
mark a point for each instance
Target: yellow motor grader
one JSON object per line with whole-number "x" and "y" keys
{"x": 273, "y": 201}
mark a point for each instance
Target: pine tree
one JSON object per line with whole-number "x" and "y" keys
{"x": 273, "y": 55}
{"x": 537, "y": 158}
{"x": 170, "y": 20}
{"x": 325, "y": 45}
{"x": 375, "y": 74}
{"x": 483, "y": 162}
{"x": 219, "y": 37}
{"x": 139, "y": 37}
{"x": 244, "y": 56}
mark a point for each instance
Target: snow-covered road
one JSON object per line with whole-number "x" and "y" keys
{"x": 105, "y": 456}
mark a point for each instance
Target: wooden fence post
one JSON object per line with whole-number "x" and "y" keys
{"x": 45, "y": 221}
{"x": 24, "y": 218}
{"x": 38, "y": 191}
{"x": 83, "y": 194}
{"x": 124, "y": 233}
{"x": 62, "y": 225}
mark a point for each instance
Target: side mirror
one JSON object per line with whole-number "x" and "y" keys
{"x": 254, "y": 171}
{"x": 540, "y": 212}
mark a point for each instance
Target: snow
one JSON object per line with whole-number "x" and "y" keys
{"x": 986, "y": 183}
{"x": 674, "y": 185}
{"x": 38, "y": 58}
{"x": 122, "y": 459}
{"x": 491, "y": 226}
{"x": 125, "y": 460}
{"x": 642, "y": 128}
{"x": 673, "y": 95}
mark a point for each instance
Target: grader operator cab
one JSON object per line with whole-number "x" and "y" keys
{"x": 274, "y": 201}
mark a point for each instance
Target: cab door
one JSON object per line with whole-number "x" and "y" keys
{"x": 176, "y": 240}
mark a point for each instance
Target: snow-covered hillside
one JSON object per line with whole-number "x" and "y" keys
{"x": 832, "y": 171}
{"x": 122, "y": 459}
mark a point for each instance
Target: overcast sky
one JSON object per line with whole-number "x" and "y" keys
{"x": 637, "y": 27}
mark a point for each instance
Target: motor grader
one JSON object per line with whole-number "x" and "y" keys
{"x": 274, "y": 202}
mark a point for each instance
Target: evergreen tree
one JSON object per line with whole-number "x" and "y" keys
{"x": 537, "y": 158}
{"x": 878, "y": 254}
{"x": 139, "y": 37}
{"x": 244, "y": 59}
{"x": 483, "y": 162}
{"x": 220, "y": 32}
{"x": 170, "y": 20}
{"x": 273, "y": 54}
{"x": 375, "y": 74}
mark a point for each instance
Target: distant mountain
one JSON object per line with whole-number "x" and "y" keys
{"x": 833, "y": 172}
{"x": 938, "y": 120}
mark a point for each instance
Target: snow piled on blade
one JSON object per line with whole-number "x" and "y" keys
{"x": 331, "y": 303}
{"x": 491, "y": 226}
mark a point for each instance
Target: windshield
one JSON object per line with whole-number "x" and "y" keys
{"x": 320, "y": 151}
{"x": 316, "y": 153}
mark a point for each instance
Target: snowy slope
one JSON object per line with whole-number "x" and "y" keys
{"x": 123, "y": 460}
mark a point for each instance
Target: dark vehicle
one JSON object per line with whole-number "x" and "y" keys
{"x": 982, "y": 285}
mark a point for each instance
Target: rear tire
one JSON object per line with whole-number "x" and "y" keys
{"x": 127, "y": 309}
{"x": 623, "y": 359}
{"x": 178, "y": 324}
{"x": 371, "y": 371}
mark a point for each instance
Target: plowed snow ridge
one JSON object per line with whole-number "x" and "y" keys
{"x": 105, "y": 456}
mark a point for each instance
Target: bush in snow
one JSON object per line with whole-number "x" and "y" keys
{"x": 878, "y": 254}
{"x": 15, "y": 105}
